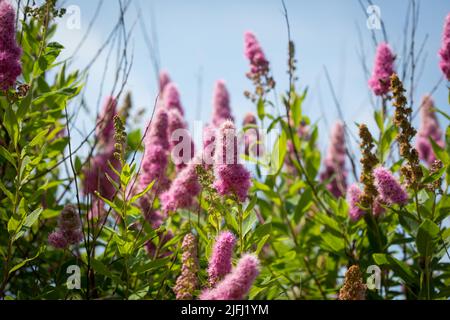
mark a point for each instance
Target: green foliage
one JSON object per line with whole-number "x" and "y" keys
{"x": 301, "y": 233}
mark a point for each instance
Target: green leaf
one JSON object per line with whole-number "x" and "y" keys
{"x": 378, "y": 115}
{"x": 440, "y": 153}
{"x": 6, "y": 192}
{"x": 23, "y": 262}
{"x": 13, "y": 225}
{"x": 278, "y": 154}
{"x": 8, "y": 156}
{"x": 39, "y": 138}
{"x": 303, "y": 204}
{"x": 297, "y": 110}
{"x": 334, "y": 243}
{"x": 104, "y": 271}
{"x": 400, "y": 268}
{"x": 11, "y": 125}
{"x": 261, "y": 243}
{"x": 251, "y": 205}
{"x": 142, "y": 193}
{"x": 32, "y": 218}
{"x": 426, "y": 235}
{"x": 249, "y": 223}
{"x": 151, "y": 265}
{"x": 260, "y": 109}
{"x": 435, "y": 176}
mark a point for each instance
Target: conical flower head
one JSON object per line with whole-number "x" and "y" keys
{"x": 429, "y": 128}
{"x": 155, "y": 159}
{"x": 187, "y": 282}
{"x": 254, "y": 53}
{"x": 237, "y": 284}
{"x": 105, "y": 123}
{"x": 184, "y": 188}
{"x": 390, "y": 191}
{"x": 231, "y": 177}
{"x": 354, "y": 287}
{"x": 335, "y": 162}
{"x": 444, "y": 52}
{"x": 354, "y": 194}
{"x": 69, "y": 228}
{"x": 220, "y": 261}
{"x": 171, "y": 98}
{"x": 10, "y": 52}
{"x": 221, "y": 104}
{"x": 164, "y": 80}
{"x": 181, "y": 142}
{"x": 382, "y": 70}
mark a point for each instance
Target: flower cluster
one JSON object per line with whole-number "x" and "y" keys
{"x": 231, "y": 177}
{"x": 237, "y": 283}
{"x": 354, "y": 287}
{"x": 220, "y": 261}
{"x": 105, "y": 123}
{"x": 171, "y": 98}
{"x": 221, "y": 104}
{"x": 164, "y": 80}
{"x": 187, "y": 282}
{"x": 354, "y": 198}
{"x": 10, "y": 52}
{"x": 259, "y": 67}
{"x": 412, "y": 170}
{"x": 181, "y": 143}
{"x": 155, "y": 159}
{"x": 95, "y": 175}
{"x": 124, "y": 111}
{"x": 444, "y": 52}
{"x": 368, "y": 162}
{"x": 382, "y": 70}
{"x": 183, "y": 189}
{"x": 254, "y": 53}
{"x": 69, "y": 229}
{"x": 429, "y": 128}
{"x": 335, "y": 172}
{"x": 390, "y": 191}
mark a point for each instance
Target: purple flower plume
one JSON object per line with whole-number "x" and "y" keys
{"x": 382, "y": 70}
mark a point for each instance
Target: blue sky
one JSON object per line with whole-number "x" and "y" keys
{"x": 205, "y": 38}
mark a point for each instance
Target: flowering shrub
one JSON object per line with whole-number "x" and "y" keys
{"x": 146, "y": 214}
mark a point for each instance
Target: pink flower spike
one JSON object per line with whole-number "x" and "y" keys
{"x": 391, "y": 192}
{"x": 10, "y": 52}
{"x": 164, "y": 80}
{"x": 254, "y": 53}
{"x": 231, "y": 176}
{"x": 105, "y": 123}
{"x": 354, "y": 194}
{"x": 155, "y": 159}
{"x": 444, "y": 52}
{"x": 382, "y": 70}
{"x": 335, "y": 162}
{"x": 181, "y": 143}
{"x": 171, "y": 98}
{"x": 221, "y": 104}
{"x": 220, "y": 261}
{"x": 236, "y": 285}
{"x": 429, "y": 128}
{"x": 183, "y": 190}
